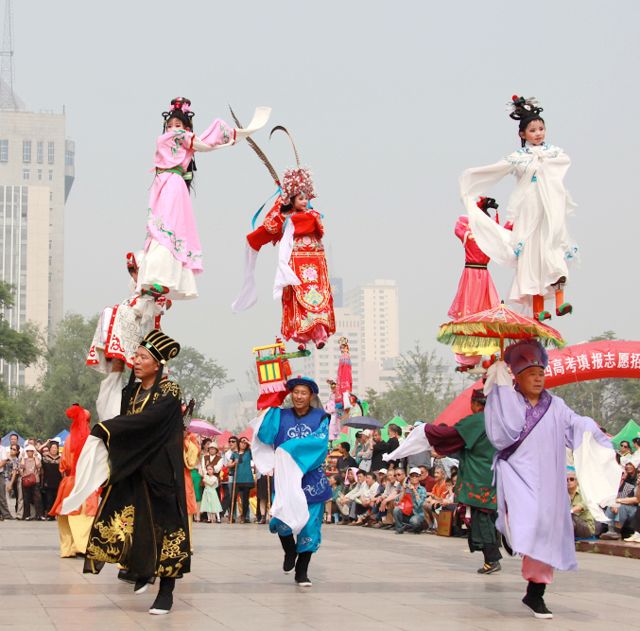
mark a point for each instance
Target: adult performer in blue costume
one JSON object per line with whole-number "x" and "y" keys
{"x": 293, "y": 443}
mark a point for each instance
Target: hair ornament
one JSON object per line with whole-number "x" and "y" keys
{"x": 181, "y": 104}
{"x": 522, "y": 109}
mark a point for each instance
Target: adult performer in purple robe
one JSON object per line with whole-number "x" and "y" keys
{"x": 530, "y": 428}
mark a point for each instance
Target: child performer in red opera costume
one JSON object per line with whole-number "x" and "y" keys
{"x": 476, "y": 291}
{"x": 302, "y": 278}
{"x": 173, "y": 255}
{"x": 539, "y": 247}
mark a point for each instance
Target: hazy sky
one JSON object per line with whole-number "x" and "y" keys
{"x": 388, "y": 102}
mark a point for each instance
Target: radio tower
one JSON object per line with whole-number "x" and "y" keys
{"x": 8, "y": 98}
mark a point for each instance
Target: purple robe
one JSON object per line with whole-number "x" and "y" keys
{"x": 533, "y": 503}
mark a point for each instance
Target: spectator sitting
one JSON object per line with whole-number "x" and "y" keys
{"x": 426, "y": 479}
{"x": 367, "y": 498}
{"x": 418, "y": 496}
{"x": 635, "y": 458}
{"x": 635, "y": 537}
{"x": 346, "y": 460}
{"x": 625, "y": 452}
{"x": 386, "y": 480}
{"x": 349, "y": 499}
{"x": 623, "y": 511}
{"x": 332, "y": 510}
{"x": 584, "y": 525}
{"x": 435, "y": 498}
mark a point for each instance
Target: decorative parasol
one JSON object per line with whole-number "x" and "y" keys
{"x": 495, "y": 326}
{"x": 203, "y": 428}
{"x": 364, "y": 422}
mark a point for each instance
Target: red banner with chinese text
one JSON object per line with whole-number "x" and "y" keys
{"x": 619, "y": 359}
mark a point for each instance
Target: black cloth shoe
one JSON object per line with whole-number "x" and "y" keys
{"x": 534, "y": 600}
{"x": 290, "y": 554}
{"x": 164, "y": 600}
{"x": 302, "y": 568}
{"x": 126, "y": 576}
{"x": 490, "y": 568}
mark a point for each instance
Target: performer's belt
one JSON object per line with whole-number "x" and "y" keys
{"x": 476, "y": 265}
{"x": 186, "y": 175}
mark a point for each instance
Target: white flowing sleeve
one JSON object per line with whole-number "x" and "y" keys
{"x": 109, "y": 396}
{"x": 92, "y": 471}
{"x": 491, "y": 237}
{"x": 248, "y": 294}
{"x": 595, "y": 462}
{"x": 415, "y": 443}
{"x": 263, "y": 454}
{"x": 285, "y": 276}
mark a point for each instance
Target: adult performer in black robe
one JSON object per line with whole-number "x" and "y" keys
{"x": 137, "y": 458}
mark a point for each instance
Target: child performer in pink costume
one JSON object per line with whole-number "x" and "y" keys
{"x": 476, "y": 291}
{"x": 173, "y": 255}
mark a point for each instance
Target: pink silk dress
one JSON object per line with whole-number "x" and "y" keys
{"x": 173, "y": 254}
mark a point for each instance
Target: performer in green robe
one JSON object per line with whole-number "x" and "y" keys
{"x": 137, "y": 459}
{"x": 467, "y": 441}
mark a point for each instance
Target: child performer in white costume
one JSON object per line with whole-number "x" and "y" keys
{"x": 539, "y": 245}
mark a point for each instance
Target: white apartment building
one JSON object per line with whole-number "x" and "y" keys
{"x": 36, "y": 175}
{"x": 323, "y": 364}
{"x": 377, "y": 304}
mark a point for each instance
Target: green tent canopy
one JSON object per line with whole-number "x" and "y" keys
{"x": 630, "y": 431}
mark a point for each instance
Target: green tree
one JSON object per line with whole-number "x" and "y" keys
{"x": 197, "y": 375}
{"x": 67, "y": 380}
{"x": 16, "y": 346}
{"x": 420, "y": 389}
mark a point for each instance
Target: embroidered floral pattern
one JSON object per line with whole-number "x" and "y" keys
{"x": 309, "y": 273}
{"x": 177, "y": 244}
{"x": 177, "y": 141}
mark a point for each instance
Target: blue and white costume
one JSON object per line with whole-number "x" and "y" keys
{"x": 294, "y": 448}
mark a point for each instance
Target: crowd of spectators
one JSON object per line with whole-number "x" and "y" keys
{"x": 623, "y": 515}
{"x": 29, "y": 478}
{"x": 416, "y": 494}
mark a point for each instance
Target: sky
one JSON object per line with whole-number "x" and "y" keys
{"x": 388, "y": 104}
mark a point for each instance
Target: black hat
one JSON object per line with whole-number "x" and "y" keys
{"x": 161, "y": 346}
{"x": 479, "y": 396}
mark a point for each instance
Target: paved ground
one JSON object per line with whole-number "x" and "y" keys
{"x": 363, "y": 580}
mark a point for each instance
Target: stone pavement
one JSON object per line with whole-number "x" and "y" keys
{"x": 364, "y": 580}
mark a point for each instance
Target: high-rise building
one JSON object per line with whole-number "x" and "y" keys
{"x": 36, "y": 175}
{"x": 323, "y": 364}
{"x": 377, "y": 304}
{"x": 337, "y": 291}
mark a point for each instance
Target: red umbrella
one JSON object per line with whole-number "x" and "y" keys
{"x": 495, "y": 326}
